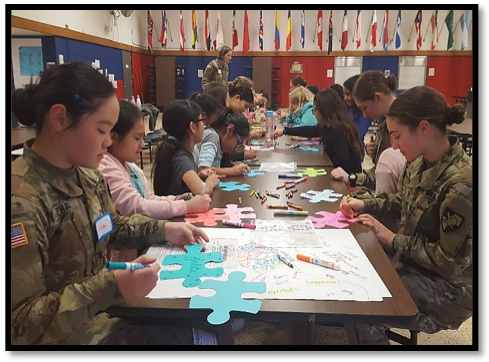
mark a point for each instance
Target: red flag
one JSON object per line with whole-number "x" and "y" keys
{"x": 207, "y": 31}
{"x": 150, "y": 32}
{"x": 235, "y": 31}
{"x": 417, "y": 25}
{"x": 182, "y": 33}
{"x": 319, "y": 25}
{"x": 373, "y": 33}
{"x": 246, "y": 34}
{"x": 288, "y": 39}
{"x": 344, "y": 31}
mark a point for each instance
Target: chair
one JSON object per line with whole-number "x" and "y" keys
{"x": 150, "y": 140}
{"x": 396, "y": 337}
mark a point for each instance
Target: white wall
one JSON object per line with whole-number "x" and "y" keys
{"x": 132, "y": 30}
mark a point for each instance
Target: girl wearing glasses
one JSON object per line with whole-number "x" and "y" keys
{"x": 228, "y": 131}
{"x": 174, "y": 170}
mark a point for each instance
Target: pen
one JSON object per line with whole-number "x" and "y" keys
{"x": 285, "y": 261}
{"x": 348, "y": 198}
{"x": 291, "y": 212}
{"x": 310, "y": 259}
{"x": 116, "y": 265}
{"x": 202, "y": 188}
{"x": 239, "y": 224}
{"x": 289, "y": 176}
{"x": 282, "y": 207}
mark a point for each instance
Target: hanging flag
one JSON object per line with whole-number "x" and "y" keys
{"x": 182, "y": 33}
{"x": 219, "y": 34}
{"x": 164, "y": 40}
{"x": 417, "y": 25}
{"x": 195, "y": 38}
{"x": 235, "y": 31}
{"x": 277, "y": 31}
{"x": 319, "y": 26}
{"x": 260, "y": 31}
{"x": 246, "y": 34}
{"x": 150, "y": 32}
{"x": 465, "y": 29}
{"x": 449, "y": 22}
{"x": 207, "y": 31}
{"x": 344, "y": 31}
{"x": 330, "y": 32}
{"x": 398, "y": 30}
{"x": 434, "y": 29}
{"x": 373, "y": 31}
{"x": 358, "y": 29}
{"x": 288, "y": 39}
{"x": 385, "y": 30}
{"x": 303, "y": 29}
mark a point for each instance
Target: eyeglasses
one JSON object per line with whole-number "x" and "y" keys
{"x": 203, "y": 119}
{"x": 240, "y": 141}
{"x": 313, "y": 110}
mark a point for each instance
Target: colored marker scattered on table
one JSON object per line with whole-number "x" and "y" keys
{"x": 325, "y": 263}
{"x": 285, "y": 261}
{"x": 290, "y": 213}
{"x": 116, "y": 265}
{"x": 239, "y": 224}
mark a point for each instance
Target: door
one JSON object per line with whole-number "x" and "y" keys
{"x": 127, "y": 74}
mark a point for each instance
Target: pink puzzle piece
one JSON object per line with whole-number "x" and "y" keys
{"x": 330, "y": 219}
{"x": 208, "y": 218}
{"x": 236, "y": 213}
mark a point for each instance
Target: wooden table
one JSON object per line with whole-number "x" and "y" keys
{"x": 400, "y": 308}
{"x": 20, "y": 136}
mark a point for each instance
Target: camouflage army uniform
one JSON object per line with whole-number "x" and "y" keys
{"x": 214, "y": 72}
{"x": 434, "y": 263}
{"x": 59, "y": 285}
{"x": 382, "y": 141}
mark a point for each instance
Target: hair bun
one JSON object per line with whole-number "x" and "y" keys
{"x": 454, "y": 114}
{"x": 23, "y": 106}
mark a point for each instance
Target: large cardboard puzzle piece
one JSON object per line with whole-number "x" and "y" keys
{"x": 254, "y": 173}
{"x": 233, "y": 185}
{"x": 318, "y": 196}
{"x": 311, "y": 172}
{"x": 310, "y": 143}
{"x": 193, "y": 266}
{"x": 236, "y": 213}
{"x": 228, "y": 297}
{"x": 208, "y": 218}
{"x": 314, "y": 149}
{"x": 331, "y": 220}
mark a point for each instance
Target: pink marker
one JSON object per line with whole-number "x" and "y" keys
{"x": 300, "y": 180}
{"x": 239, "y": 224}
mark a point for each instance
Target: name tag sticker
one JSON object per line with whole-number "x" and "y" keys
{"x": 104, "y": 226}
{"x": 219, "y": 71}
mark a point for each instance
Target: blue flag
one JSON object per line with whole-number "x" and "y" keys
{"x": 330, "y": 33}
{"x": 303, "y": 30}
{"x": 398, "y": 29}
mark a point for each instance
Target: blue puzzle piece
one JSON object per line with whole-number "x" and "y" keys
{"x": 314, "y": 149}
{"x": 254, "y": 173}
{"x": 228, "y": 297}
{"x": 233, "y": 185}
{"x": 325, "y": 195}
{"x": 193, "y": 266}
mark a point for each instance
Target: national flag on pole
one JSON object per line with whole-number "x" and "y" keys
{"x": 260, "y": 31}
{"x": 235, "y": 31}
{"x": 277, "y": 30}
{"x": 398, "y": 30}
{"x": 385, "y": 30}
{"x": 330, "y": 32}
{"x": 288, "y": 39}
{"x": 465, "y": 29}
{"x": 303, "y": 29}
{"x": 417, "y": 25}
{"x": 344, "y": 31}
{"x": 150, "y": 32}
{"x": 195, "y": 38}
{"x": 319, "y": 26}
{"x": 207, "y": 31}
{"x": 219, "y": 33}
{"x": 373, "y": 31}
{"x": 182, "y": 33}
{"x": 449, "y": 22}
{"x": 246, "y": 34}
{"x": 358, "y": 29}
{"x": 434, "y": 29}
{"x": 164, "y": 40}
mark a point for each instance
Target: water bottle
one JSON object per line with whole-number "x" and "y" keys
{"x": 269, "y": 125}
{"x": 133, "y": 101}
{"x": 138, "y": 102}
{"x": 257, "y": 114}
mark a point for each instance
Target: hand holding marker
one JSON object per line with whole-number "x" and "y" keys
{"x": 115, "y": 265}
{"x": 239, "y": 224}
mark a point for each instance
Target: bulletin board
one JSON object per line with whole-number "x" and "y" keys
{"x": 30, "y": 61}
{"x": 21, "y": 80}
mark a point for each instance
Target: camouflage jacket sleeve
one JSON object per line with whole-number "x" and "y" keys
{"x": 381, "y": 204}
{"x": 209, "y": 75}
{"x": 452, "y": 252}
{"x": 367, "y": 178}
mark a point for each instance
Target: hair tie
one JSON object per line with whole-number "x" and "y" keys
{"x": 76, "y": 97}
{"x": 172, "y": 139}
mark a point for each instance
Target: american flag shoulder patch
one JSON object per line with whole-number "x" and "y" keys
{"x": 19, "y": 237}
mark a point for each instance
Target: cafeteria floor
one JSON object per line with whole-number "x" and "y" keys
{"x": 254, "y": 333}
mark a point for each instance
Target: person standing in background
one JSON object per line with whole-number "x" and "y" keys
{"x": 433, "y": 247}
{"x": 296, "y": 82}
{"x": 218, "y": 69}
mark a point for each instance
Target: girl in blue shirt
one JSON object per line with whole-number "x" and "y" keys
{"x": 300, "y": 106}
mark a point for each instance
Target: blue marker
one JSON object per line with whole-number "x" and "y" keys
{"x": 116, "y": 265}
{"x": 289, "y": 176}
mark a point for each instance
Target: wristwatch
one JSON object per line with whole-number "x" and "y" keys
{"x": 353, "y": 179}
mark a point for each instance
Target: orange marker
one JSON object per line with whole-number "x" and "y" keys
{"x": 294, "y": 206}
{"x": 327, "y": 264}
{"x": 281, "y": 186}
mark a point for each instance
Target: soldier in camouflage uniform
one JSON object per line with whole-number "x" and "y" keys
{"x": 373, "y": 95}
{"x": 61, "y": 225}
{"x": 434, "y": 263}
{"x": 218, "y": 69}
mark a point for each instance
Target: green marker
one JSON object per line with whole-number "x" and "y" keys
{"x": 291, "y": 212}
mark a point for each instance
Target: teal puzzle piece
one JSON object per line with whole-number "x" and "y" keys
{"x": 233, "y": 185}
{"x": 193, "y": 266}
{"x": 228, "y": 297}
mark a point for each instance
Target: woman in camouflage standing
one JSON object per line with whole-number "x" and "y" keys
{"x": 218, "y": 69}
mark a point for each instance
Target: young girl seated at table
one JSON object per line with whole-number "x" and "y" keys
{"x": 174, "y": 170}
{"x": 228, "y": 131}
{"x": 129, "y": 187}
{"x": 300, "y": 106}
